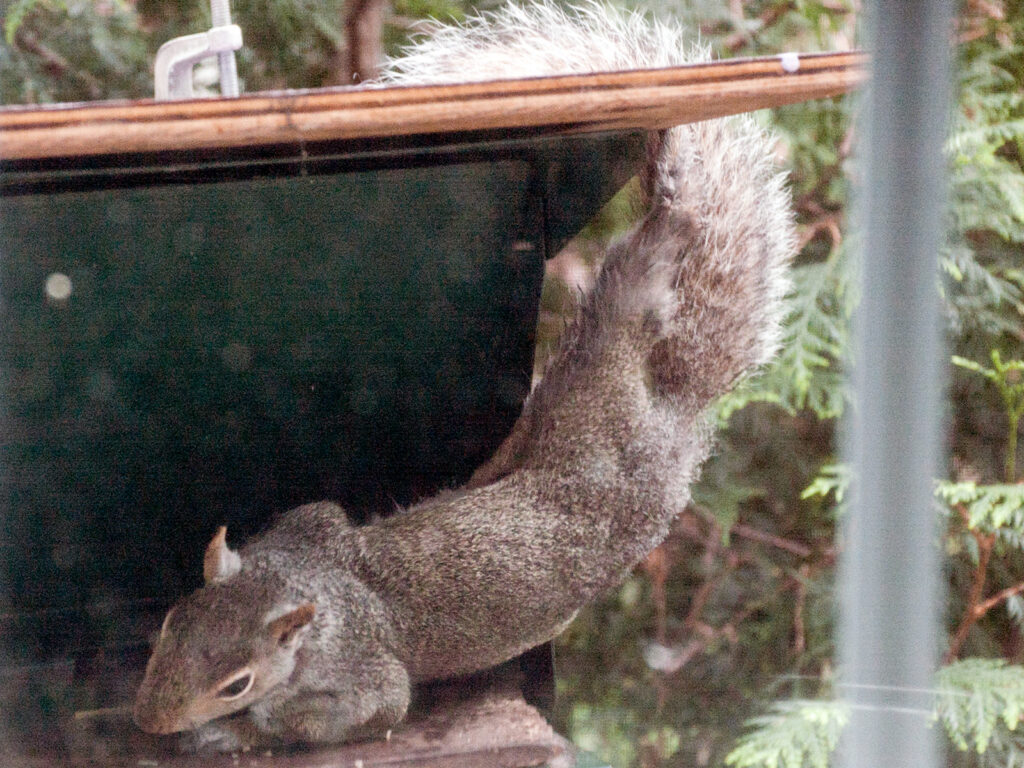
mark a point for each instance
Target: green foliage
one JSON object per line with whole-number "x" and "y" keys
{"x": 72, "y": 51}
{"x": 980, "y": 703}
{"x": 995, "y": 508}
{"x": 833, "y": 479}
{"x": 987, "y": 185}
{"x": 984, "y": 293}
{"x": 986, "y": 287}
{"x": 806, "y": 375}
{"x": 591, "y": 729}
{"x": 442, "y": 10}
{"x": 288, "y": 43}
{"x": 987, "y": 298}
{"x": 15, "y": 15}
{"x": 78, "y": 50}
{"x": 816, "y": 339}
{"x": 1006, "y": 376}
{"x": 724, "y": 501}
{"x": 796, "y": 734}
{"x": 1008, "y": 379}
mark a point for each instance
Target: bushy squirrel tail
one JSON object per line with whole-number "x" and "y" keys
{"x": 691, "y": 299}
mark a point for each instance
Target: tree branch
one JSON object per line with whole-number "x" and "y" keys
{"x": 793, "y": 547}
{"x": 799, "y": 630}
{"x": 974, "y": 610}
{"x": 1001, "y": 596}
{"x": 56, "y": 65}
{"x": 364, "y": 26}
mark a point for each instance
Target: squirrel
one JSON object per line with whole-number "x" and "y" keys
{"x": 316, "y": 629}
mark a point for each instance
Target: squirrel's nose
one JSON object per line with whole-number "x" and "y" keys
{"x": 149, "y": 718}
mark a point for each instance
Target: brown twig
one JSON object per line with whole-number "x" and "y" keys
{"x": 698, "y": 525}
{"x": 55, "y": 64}
{"x": 974, "y": 610}
{"x": 799, "y": 633}
{"x": 828, "y": 223}
{"x": 728, "y": 630}
{"x": 700, "y": 599}
{"x": 788, "y": 545}
{"x": 690, "y": 525}
{"x": 740, "y": 38}
{"x": 1002, "y": 595}
{"x": 656, "y": 565}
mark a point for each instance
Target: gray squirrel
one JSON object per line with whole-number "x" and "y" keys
{"x": 316, "y": 630}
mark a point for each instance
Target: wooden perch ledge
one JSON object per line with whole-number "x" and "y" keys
{"x": 643, "y": 99}
{"x": 480, "y": 722}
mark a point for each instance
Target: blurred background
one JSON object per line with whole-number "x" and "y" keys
{"x": 719, "y": 649}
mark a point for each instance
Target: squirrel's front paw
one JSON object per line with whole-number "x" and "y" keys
{"x": 214, "y": 736}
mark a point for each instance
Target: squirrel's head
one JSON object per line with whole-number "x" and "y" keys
{"x": 221, "y": 648}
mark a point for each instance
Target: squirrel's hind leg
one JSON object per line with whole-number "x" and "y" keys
{"x": 356, "y": 710}
{"x": 328, "y": 718}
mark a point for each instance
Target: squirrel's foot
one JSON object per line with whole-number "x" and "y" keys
{"x": 229, "y": 734}
{"x": 210, "y": 738}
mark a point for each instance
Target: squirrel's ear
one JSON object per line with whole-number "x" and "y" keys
{"x": 220, "y": 562}
{"x": 167, "y": 621}
{"x": 289, "y": 628}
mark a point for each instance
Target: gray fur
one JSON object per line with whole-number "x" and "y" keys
{"x": 588, "y": 482}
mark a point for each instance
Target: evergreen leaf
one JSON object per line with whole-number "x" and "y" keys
{"x": 796, "y": 734}
{"x": 831, "y": 479}
{"x": 975, "y": 697}
{"x": 994, "y": 508}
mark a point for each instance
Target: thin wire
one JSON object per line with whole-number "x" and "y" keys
{"x": 883, "y": 687}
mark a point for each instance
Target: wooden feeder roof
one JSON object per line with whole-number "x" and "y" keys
{"x": 644, "y": 99}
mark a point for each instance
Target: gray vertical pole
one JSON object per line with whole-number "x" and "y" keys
{"x": 220, "y": 16}
{"x": 889, "y": 574}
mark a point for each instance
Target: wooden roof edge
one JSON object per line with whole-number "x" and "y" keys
{"x": 636, "y": 99}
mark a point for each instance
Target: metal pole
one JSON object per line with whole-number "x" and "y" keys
{"x": 220, "y": 16}
{"x": 889, "y": 574}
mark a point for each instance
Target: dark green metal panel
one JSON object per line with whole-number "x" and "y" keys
{"x": 582, "y": 175}
{"x": 355, "y": 326}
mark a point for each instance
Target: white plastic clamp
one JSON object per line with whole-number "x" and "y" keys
{"x": 172, "y": 69}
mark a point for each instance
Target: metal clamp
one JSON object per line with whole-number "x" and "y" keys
{"x": 172, "y": 69}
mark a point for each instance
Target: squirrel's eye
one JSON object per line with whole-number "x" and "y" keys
{"x": 236, "y": 686}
